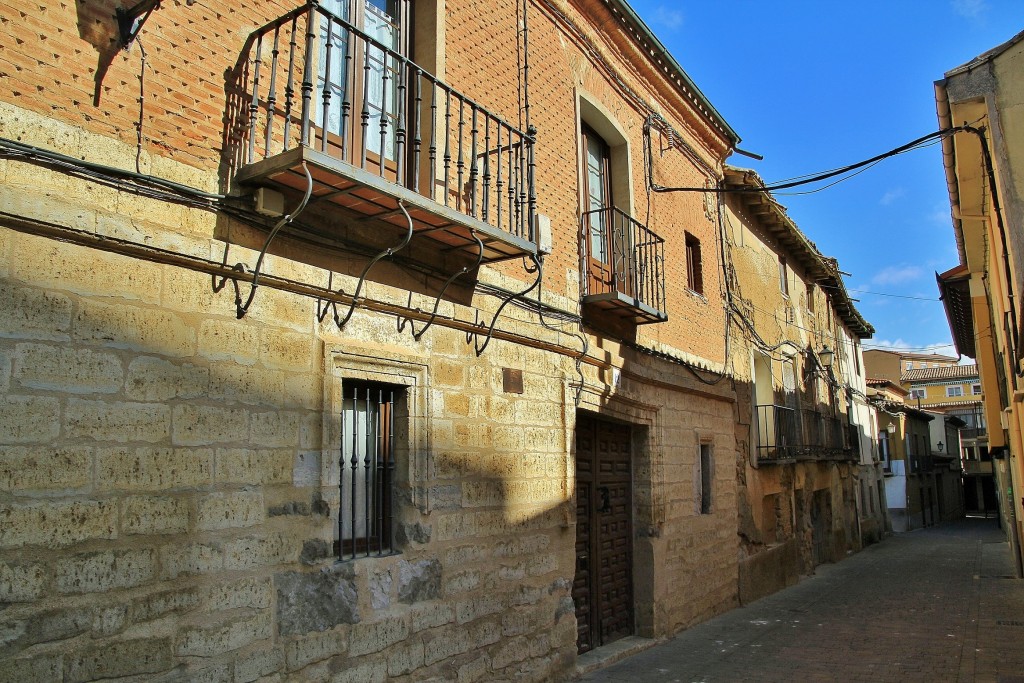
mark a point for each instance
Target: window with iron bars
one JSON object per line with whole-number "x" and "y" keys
{"x": 367, "y": 469}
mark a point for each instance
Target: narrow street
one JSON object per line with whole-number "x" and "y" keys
{"x": 930, "y": 605}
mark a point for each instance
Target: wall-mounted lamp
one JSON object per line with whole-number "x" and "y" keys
{"x": 826, "y": 357}
{"x": 891, "y": 428}
{"x": 940, "y": 446}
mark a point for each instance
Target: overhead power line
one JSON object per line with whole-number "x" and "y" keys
{"x": 923, "y": 141}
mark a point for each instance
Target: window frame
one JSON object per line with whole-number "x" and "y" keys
{"x": 376, "y": 515}
{"x": 954, "y": 391}
{"x": 694, "y": 264}
{"x": 413, "y": 417}
{"x": 918, "y": 393}
{"x": 783, "y": 276}
{"x": 976, "y": 389}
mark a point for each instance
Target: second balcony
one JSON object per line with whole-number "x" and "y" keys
{"x": 623, "y": 266}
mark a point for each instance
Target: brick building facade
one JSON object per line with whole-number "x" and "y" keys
{"x": 200, "y": 484}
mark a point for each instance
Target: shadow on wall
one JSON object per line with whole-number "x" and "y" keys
{"x": 97, "y": 25}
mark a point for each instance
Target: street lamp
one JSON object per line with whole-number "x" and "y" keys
{"x": 826, "y": 356}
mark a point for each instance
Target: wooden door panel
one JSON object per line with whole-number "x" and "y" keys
{"x": 603, "y": 585}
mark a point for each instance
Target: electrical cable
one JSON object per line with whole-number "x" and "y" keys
{"x": 919, "y": 142}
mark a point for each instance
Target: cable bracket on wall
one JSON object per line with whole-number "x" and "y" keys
{"x": 390, "y": 251}
{"x": 437, "y": 301}
{"x": 243, "y": 308}
{"x": 494, "y": 321}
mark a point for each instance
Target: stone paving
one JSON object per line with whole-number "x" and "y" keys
{"x": 931, "y": 605}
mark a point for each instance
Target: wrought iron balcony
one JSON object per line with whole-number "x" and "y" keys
{"x": 777, "y": 433}
{"x": 623, "y": 267}
{"x": 785, "y": 433}
{"x": 377, "y": 133}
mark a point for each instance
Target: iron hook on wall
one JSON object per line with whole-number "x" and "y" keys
{"x": 242, "y": 309}
{"x": 390, "y": 251}
{"x": 494, "y": 321}
{"x": 437, "y": 302}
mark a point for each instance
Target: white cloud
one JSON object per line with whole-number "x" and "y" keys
{"x": 899, "y": 344}
{"x": 891, "y": 196}
{"x": 666, "y": 17}
{"x": 896, "y": 275}
{"x": 970, "y": 9}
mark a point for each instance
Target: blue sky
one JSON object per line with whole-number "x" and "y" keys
{"x": 813, "y": 86}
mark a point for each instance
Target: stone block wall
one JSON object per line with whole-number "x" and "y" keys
{"x": 168, "y": 472}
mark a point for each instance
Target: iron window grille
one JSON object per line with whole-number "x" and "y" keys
{"x": 367, "y": 469}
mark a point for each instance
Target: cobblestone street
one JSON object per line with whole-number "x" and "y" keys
{"x": 931, "y": 605}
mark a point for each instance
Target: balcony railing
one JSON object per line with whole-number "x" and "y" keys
{"x": 777, "y": 432}
{"x": 374, "y": 128}
{"x": 784, "y": 432}
{"x": 972, "y": 432}
{"x": 624, "y": 266}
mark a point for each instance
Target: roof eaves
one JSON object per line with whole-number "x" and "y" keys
{"x": 823, "y": 268}
{"x": 621, "y": 9}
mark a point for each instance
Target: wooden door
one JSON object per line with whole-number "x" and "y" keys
{"x": 603, "y": 585}
{"x": 599, "y": 219}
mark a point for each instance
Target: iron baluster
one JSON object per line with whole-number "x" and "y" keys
{"x": 474, "y": 168}
{"x": 417, "y": 138}
{"x": 447, "y": 143}
{"x": 432, "y": 173}
{"x": 460, "y": 165}
{"x": 365, "y": 114}
{"x": 254, "y": 105}
{"x": 346, "y": 96}
{"x": 307, "y": 85}
{"x": 485, "y": 207}
{"x": 272, "y": 96}
{"x": 289, "y": 89}
{"x": 531, "y": 188}
{"x": 326, "y": 117}
{"x": 511, "y": 183}
{"x": 498, "y": 183}
{"x": 384, "y": 120}
{"x": 401, "y": 125}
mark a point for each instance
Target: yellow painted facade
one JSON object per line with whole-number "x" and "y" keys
{"x": 984, "y": 163}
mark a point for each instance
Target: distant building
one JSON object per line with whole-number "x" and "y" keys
{"x": 904, "y": 444}
{"x": 938, "y": 383}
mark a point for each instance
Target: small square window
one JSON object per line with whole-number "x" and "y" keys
{"x": 976, "y": 390}
{"x": 917, "y": 393}
{"x": 694, "y": 267}
{"x": 954, "y": 391}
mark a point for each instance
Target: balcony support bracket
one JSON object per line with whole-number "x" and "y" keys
{"x": 341, "y": 321}
{"x": 490, "y": 329}
{"x": 437, "y": 302}
{"x": 242, "y": 308}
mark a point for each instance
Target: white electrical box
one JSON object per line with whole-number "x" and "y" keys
{"x": 542, "y": 231}
{"x": 269, "y": 202}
